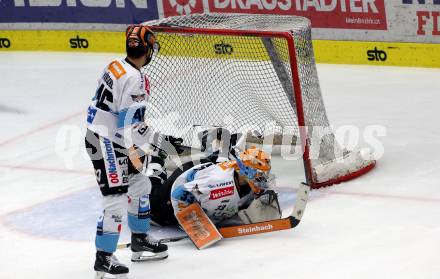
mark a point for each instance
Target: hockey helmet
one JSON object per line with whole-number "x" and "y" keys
{"x": 140, "y": 40}
{"x": 254, "y": 164}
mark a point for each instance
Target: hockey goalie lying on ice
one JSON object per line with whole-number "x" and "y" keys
{"x": 217, "y": 192}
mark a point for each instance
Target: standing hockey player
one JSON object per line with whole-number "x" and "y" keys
{"x": 116, "y": 136}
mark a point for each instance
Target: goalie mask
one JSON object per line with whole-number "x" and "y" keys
{"x": 140, "y": 40}
{"x": 255, "y": 165}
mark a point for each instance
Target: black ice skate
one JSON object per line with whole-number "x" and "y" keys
{"x": 108, "y": 266}
{"x": 145, "y": 248}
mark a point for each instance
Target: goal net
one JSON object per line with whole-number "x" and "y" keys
{"x": 247, "y": 73}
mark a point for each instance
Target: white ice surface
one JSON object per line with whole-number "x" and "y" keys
{"x": 385, "y": 224}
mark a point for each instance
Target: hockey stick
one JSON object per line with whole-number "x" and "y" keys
{"x": 274, "y": 225}
{"x": 289, "y": 222}
{"x": 163, "y": 240}
{"x": 267, "y": 226}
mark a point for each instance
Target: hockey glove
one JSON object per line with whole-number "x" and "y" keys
{"x": 170, "y": 143}
{"x": 268, "y": 197}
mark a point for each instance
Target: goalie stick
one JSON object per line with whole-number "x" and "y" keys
{"x": 273, "y": 225}
{"x": 267, "y": 226}
{"x": 289, "y": 222}
{"x": 255, "y": 228}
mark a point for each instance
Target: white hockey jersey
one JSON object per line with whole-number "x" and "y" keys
{"x": 212, "y": 186}
{"x": 119, "y": 104}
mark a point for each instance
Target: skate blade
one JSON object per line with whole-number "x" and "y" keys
{"x": 144, "y": 256}
{"x": 104, "y": 275}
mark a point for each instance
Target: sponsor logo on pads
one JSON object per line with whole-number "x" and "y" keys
{"x": 253, "y": 229}
{"x": 110, "y": 159}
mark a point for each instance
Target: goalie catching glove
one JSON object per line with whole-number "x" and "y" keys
{"x": 268, "y": 197}
{"x": 264, "y": 208}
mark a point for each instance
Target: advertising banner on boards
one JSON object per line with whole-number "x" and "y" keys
{"x": 78, "y": 11}
{"x": 345, "y": 14}
{"x": 376, "y": 32}
{"x": 412, "y": 21}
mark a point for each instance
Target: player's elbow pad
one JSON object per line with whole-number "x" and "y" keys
{"x": 182, "y": 195}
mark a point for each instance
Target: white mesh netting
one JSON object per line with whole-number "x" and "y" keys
{"x": 243, "y": 83}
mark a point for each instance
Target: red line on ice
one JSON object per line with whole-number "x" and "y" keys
{"x": 36, "y": 130}
{"x": 45, "y": 169}
{"x": 383, "y": 196}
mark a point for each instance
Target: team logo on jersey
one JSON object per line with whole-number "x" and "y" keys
{"x": 220, "y": 193}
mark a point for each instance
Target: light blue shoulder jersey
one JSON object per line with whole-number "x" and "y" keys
{"x": 119, "y": 102}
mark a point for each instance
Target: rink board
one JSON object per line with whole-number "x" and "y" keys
{"x": 326, "y": 51}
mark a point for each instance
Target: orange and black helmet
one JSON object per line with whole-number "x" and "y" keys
{"x": 140, "y": 40}
{"x": 256, "y": 159}
{"x": 255, "y": 165}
